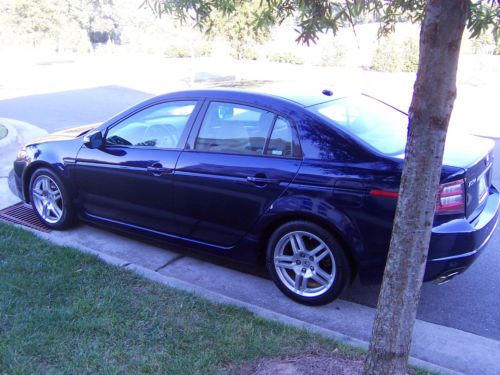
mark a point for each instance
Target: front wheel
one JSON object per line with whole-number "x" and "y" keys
{"x": 307, "y": 263}
{"x": 50, "y": 199}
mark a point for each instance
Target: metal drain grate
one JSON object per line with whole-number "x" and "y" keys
{"x": 23, "y": 215}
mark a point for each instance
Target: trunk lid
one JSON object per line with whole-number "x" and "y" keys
{"x": 475, "y": 156}
{"x": 478, "y": 179}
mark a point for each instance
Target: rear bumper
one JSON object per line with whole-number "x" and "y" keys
{"x": 457, "y": 244}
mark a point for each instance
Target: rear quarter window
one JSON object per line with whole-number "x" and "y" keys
{"x": 374, "y": 123}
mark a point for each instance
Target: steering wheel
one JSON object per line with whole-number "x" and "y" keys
{"x": 164, "y": 135}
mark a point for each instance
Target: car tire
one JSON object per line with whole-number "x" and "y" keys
{"x": 307, "y": 263}
{"x": 51, "y": 200}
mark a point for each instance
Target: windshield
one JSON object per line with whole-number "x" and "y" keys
{"x": 377, "y": 124}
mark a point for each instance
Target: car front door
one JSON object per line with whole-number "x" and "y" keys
{"x": 130, "y": 178}
{"x": 239, "y": 160}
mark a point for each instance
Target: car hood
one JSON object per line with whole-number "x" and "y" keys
{"x": 67, "y": 134}
{"x": 464, "y": 150}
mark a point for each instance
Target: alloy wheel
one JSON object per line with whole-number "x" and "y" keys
{"x": 47, "y": 199}
{"x": 304, "y": 263}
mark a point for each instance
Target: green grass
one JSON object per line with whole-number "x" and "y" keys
{"x": 3, "y": 131}
{"x": 66, "y": 312}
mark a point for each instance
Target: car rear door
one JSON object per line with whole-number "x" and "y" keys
{"x": 238, "y": 161}
{"x": 130, "y": 178}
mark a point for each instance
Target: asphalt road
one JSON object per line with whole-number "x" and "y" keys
{"x": 61, "y": 110}
{"x": 470, "y": 302}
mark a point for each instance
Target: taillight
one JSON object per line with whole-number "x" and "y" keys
{"x": 451, "y": 198}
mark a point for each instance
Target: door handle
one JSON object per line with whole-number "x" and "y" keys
{"x": 262, "y": 181}
{"x": 157, "y": 169}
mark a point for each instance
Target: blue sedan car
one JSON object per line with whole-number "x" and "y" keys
{"x": 306, "y": 184}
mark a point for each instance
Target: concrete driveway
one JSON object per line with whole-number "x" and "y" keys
{"x": 466, "y": 310}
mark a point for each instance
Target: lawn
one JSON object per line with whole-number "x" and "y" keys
{"x": 66, "y": 312}
{"x": 62, "y": 311}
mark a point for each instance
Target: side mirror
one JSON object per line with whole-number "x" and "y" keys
{"x": 93, "y": 140}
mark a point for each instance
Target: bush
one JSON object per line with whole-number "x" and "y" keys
{"x": 409, "y": 61}
{"x": 248, "y": 54}
{"x": 203, "y": 49}
{"x": 74, "y": 39}
{"x": 186, "y": 50}
{"x": 393, "y": 55}
{"x": 485, "y": 44}
{"x": 335, "y": 56}
{"x": 178, "y": 50}
{"x": 286, "y": 57}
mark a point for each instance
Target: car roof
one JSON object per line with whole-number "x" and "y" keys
{"x": 304, "y": 98}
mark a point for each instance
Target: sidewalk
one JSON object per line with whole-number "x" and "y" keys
{"x": 435, "y": 347}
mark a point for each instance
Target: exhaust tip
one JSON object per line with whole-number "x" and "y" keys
{"x": 447, "y": 276}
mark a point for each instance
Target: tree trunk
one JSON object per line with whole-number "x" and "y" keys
{"x": 429, "y": 114}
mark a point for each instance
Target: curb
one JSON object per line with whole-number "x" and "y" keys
{"x": 20, "y": 131}
{"x": 222, "y": 299}
{"x": 10, "y": 137}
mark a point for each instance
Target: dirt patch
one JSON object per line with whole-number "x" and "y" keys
{"x": 315, "y": 363}
{"x": 308, "y": 364}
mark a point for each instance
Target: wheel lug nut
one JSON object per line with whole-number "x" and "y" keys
{"x": 302, "y": 255}
{"x": 298, "y": 262}
{"x": 312, "y": 268}
{"x": 303, "y": 270}
{"x": 311, "y": 258}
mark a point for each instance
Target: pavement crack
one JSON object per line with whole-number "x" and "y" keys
{"x": 174, "y": 259}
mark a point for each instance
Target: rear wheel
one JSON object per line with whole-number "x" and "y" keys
{"x": 307, "y": 263}
{"x": 50, "y": 199}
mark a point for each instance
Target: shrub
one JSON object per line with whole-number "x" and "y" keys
{"x": 409, "y": 61}
{"x": 485, "y": 44}
{"x": 203, "y": 49}
{"x": 386, "y": 57}
{"x": 178, "y": 50}
{"x": 248, "y": 54}
{"x": 336, "y": 56}
{"x": 393, "y": 55}
{"x": 286, "y": 57}
{"x": 73, "y": 39}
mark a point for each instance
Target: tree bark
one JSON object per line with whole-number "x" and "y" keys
{"x": 433, "y": 97}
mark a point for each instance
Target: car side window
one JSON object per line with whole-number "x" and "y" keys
{"x": 281, "y": 142}
{"x": 234, "y": 128}
{"x": 160, "y": 125}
